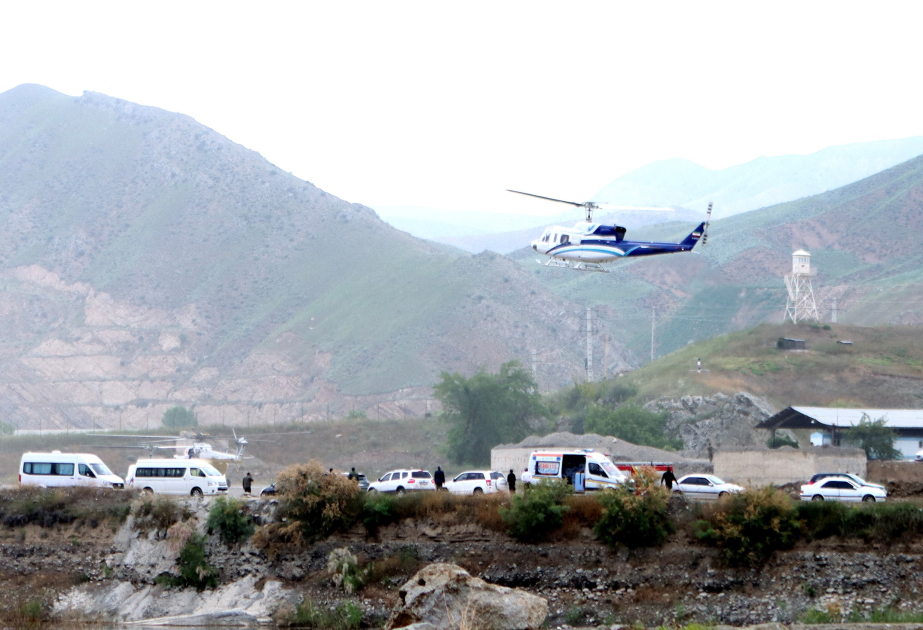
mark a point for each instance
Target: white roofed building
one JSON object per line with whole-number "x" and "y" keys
{"x": 829, "y": 424}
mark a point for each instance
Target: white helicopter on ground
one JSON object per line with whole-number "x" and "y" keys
{"x": 587, "y": 245}
{"x": 198, "y": 450}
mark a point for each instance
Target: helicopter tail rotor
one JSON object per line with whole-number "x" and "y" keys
{"x": 707, "y": 221}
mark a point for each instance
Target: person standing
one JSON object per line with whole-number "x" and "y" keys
{"x": 668, "y": 479}
{"x": 439, "y": 478}
{"x": 353, "y": 475}
{"x": 511, "y": 481}
{"x": 248, "y": 483}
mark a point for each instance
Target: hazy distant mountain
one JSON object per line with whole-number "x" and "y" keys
{"x": 759, "y": 183}
{"x": 147, "y": 261}
{"x": 433, "y": 224}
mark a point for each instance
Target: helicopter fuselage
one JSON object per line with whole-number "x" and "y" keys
{"x": 597, "y": 243}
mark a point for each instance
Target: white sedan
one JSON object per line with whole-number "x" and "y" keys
{"x": 478, "y": 482}
{"x": 841, "y": 489}
{"x": 704, "y": 487}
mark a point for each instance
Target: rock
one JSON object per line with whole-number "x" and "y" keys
{"x": 447, "y": 596}
{"x": 419, "y": 626}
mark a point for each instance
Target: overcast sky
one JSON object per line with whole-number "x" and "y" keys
{"x": 447, "y": 104}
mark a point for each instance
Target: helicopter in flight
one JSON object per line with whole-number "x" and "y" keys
{"x": 587, "y": 245}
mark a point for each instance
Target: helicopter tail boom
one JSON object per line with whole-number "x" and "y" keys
{"x": 694, "y": 236}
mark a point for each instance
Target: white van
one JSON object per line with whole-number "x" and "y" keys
{"x": 57, "y": 469}
{"x": 599, "y": 472}
{"x": 176, "y": 476}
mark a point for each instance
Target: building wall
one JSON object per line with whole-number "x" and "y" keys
{"x": 786, "y": 465}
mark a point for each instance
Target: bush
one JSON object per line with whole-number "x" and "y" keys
{"x": 157, "y": 511}
{"x": 377, "y": 511}
{"x": 194, "y": 569}
{"x": 47, "y": 507}
{"x": 7, "y": 429}
{"x": 314, "y": 503}
{"x": 344, "y": 570}
{"x": 823, "y": 519}
{"x": 308, "y": 615}
{"x": 749, "y": 527}
{"x": 875, "y": 437}
{"x": 884, "y": 522}
{"x": 634, "y": 520}
{"x": 534, "y": 516}
{"x": 227, "y": 517}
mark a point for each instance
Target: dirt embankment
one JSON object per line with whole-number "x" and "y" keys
{"x": 585, "y": 582}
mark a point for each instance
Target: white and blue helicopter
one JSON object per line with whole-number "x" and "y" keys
{"x": 587, "y": 245}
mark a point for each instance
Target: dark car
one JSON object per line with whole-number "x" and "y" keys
{"x": 268, "y": 491}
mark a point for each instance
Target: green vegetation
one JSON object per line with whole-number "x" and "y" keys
{"x": 194, "y": 569}
{"x": 749, "y": 527}
{"x": 7, "y": 429}
{"x": 632, "y": 423}
{"x": 574, "y": 402}
{"x": 486, "y": 410}
{"x": 157, "y": 511}
{"x": 179, "y": 418}
{"x": 778, "y": 441}
{"x": 635, "y": 519}
{"x": 536, "y": 514}
{"x": 228, "y": 517}
{"x": 345, "y": 616}
{"x": 874, "y": 437}
{"x": 48, "y": 507}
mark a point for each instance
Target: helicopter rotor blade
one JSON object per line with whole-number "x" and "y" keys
{"x": 573, "y": 203}
{"x": 607, "y": 206}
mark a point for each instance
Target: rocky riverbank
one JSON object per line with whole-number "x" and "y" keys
{"x": 111, "y": 576}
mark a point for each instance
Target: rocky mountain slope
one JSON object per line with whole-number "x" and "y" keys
{"x": 147, "y": 261}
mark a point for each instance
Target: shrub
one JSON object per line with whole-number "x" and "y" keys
{"x": 308, "y": 615}
{"x": 344, "y": 570}
{"x": 7, "y": 429}
{"x": 315, "y": 504}
{"x": 884, "y": 522}
{"x": 377, "y": 511}
{"x": 157, "y": 511}
{"x": 48, "y": 507}
{"x": 194, "y": 569}
{"x": 179, "y": 417}
{"x": 875, "y": 437}
{"x": 632, "y": 423}
{"x": 538, "y": 513}
{"x": 634, "y": 520}
{"x": 227, "y": 517}
{"x": 750, "y": 526}
{"x": 823, "y": 519}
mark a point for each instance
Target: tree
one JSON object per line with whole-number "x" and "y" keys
{"x": 875, "y": 437}
{"x": 487, "y": 409}
{"x": 632, "y": 424}
{"x": 179, "y": 417}
{"x": 7, "y": 428}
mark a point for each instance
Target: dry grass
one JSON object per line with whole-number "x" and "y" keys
{"x": 48, "y": 507}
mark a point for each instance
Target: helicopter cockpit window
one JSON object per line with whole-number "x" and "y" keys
{"x": 565, "y": 238}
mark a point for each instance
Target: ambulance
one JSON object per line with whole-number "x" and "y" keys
{"x": 599, "y": 473}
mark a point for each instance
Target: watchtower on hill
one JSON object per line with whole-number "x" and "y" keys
{"x": 800, "y": 305}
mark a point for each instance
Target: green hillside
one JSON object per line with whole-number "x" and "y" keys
{"x": 232, "y": 283}
{"x": 882, "y": 367}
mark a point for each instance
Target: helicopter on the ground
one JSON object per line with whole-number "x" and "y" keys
{"x": 197, "y": 450}
{"x": 587, "y": 245}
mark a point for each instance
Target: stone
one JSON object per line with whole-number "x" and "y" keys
{"x": 447, "y": 596}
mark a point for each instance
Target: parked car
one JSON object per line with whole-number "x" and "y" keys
{"x": 401, "y": 481}
{"x": 859, "y": 480}
{"x": 704, "y": 487}
{"x": 268, "y": 491}
{"x": 363, "y": 481}
{"x": 841, "y": 489}
{"x": 478, "y": 482}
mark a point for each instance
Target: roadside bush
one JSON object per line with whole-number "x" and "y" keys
{"x": 344, "y": 571}
{"x": 884, "y": 522}
{"x": 48, "y": 507}
{"x": 378, "y": 511}
{"x": 315, "y": 504}
{"x": 227, "y": 517}
{"x": 634, "y": 520}
{"x": 538, "y": 513}
{"x": 749, "y": 527}
{"x": 823, "y": 519}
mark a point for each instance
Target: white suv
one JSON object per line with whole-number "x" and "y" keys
{"x": 401, "y": 481}
{"x": 478, "y": 482}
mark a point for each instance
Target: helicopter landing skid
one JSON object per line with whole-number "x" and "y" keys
{"x": 577, "y": 266}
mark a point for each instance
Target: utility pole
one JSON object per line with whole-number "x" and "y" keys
{"x": 833, "y": 314}
{"x": 589, "y": 345}
{"x": 606, "y": 359}
{"x": 653, "y": 326}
